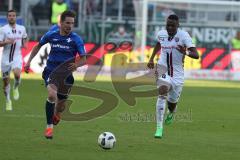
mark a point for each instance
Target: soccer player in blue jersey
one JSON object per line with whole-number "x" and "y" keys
{"x": 65, "y": 44}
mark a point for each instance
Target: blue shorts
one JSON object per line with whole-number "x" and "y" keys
{"x": 63, "y": 81}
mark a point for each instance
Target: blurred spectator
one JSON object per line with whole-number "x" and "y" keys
{"x": 120, "y": 36}
{"x": 235, "y": 42}
{"x": 57, "y": 7}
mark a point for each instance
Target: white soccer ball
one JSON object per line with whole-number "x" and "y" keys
{"x": 106, "y": 140}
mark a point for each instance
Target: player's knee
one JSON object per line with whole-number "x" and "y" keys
{"x": 17, "y": 74}
{"x": 163, "y": 90}
{"x": 17, "y": 77}
{"x": 17, "y": 71}
{"x": 52, "y": 96}
{"x": 52, "y": 93}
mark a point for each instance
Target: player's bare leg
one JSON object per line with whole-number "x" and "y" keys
{"x": 160, "y": 109}
{"x": 62, "y": 97}
{"x": 50, "y": 105}
{"x": 60, "y": 107}
{"x": 6, "y": 89}
{"x": 17, "y": 80}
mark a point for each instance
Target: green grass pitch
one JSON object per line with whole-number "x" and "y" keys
{"x": 206, "y": 127}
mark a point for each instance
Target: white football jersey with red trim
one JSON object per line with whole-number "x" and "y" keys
{"x": 170, "y": 56}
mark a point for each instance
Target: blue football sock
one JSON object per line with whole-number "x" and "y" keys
{"x": 49, "y": 111}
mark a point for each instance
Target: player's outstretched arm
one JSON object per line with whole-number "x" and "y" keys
{"x": 32, "y": 55}
{"x": 150, "y": 64}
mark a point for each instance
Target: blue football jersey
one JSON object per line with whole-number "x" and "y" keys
{"x": 63, "y": 48}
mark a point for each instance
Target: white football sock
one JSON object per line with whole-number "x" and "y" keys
{"x": 49, "y": 125}
{"x": 160, "y": 110}
{"x": 7, "y": 92}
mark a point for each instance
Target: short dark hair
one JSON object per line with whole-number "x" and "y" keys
{"x": 11, "y": 10}
{"x": 173, "y": 17}
{"x": 67, "y": 13}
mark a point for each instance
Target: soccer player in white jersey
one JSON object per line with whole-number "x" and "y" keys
{"x": 12, "y": 38}
{"x": 174, "y": 44}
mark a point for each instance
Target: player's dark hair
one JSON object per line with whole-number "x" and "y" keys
{"x": 173, "y": 17}
{"x": 68, "y": 13}
{"x": 11, "y": 10}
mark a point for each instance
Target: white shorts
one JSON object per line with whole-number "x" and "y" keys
{"x": 175, "y": 90}
{"x": 7, "y": 66}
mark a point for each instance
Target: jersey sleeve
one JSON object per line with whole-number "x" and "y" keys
{"x": 24, "y": 33}
{"x": 45, "y": 38}
{"x": 187, "y": 41}
{"x": 161, "y": 36}
{"x": 80, "y": 47}
{"x": 54, "y": 28}
{"x": 1, "y": 34}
